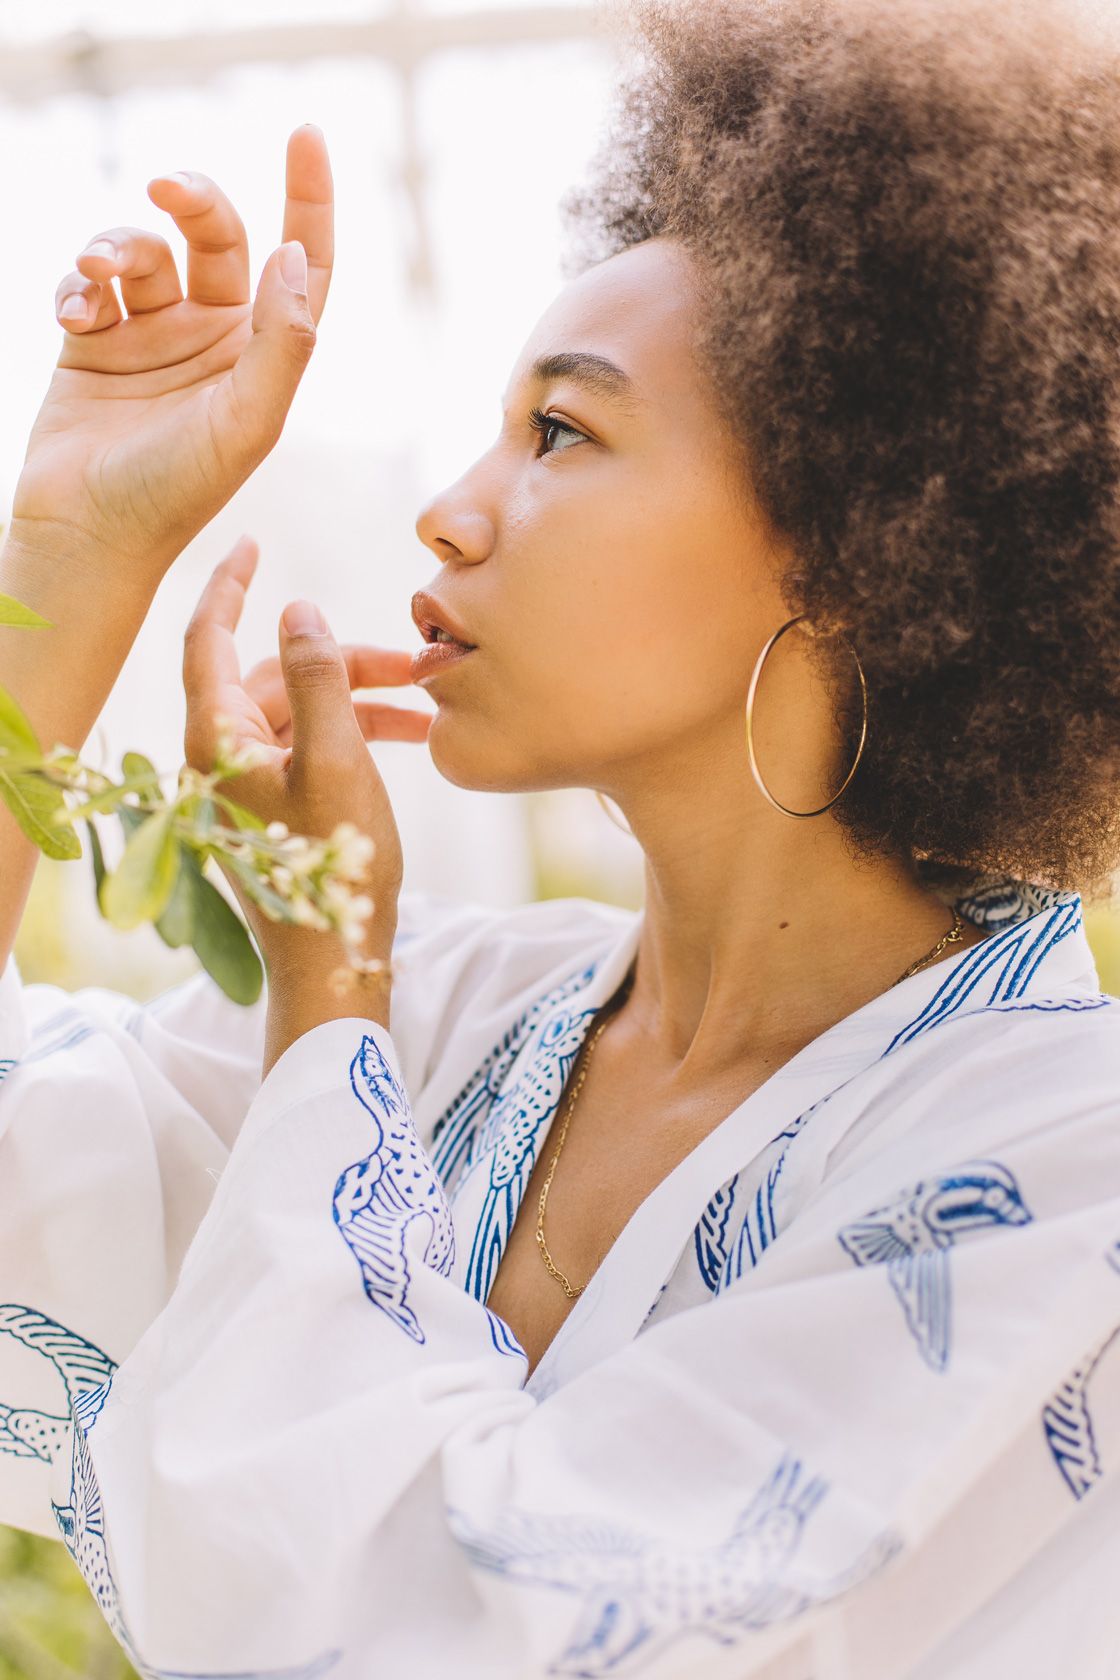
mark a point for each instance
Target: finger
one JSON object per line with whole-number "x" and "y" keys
{"x": 142, "y": 262}
{"x": 366, "y": 667}
{"x": 309, "y": 209}
{"x": 379, "y": 722}
{"x": 85, "y": 306}
{"x": 217, "y": 249}
{"x": 250, "y": 407}
{"x": 324, "y": 728}
{"x": 376, "y": 722}
{"x": 209, "y": 651}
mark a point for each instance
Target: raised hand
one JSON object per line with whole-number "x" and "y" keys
{"x": 315, "y": 769}
{"x": 154, "y": 417}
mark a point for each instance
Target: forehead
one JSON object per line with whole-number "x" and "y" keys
{"x": 636, "y": 309}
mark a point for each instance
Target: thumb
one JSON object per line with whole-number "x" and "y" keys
{"x": 265, "y": 377}
{"x": 324, "y": 727}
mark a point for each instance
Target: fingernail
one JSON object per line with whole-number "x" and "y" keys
{"x": 101, "y": 248}
{"x": 293, "y": 266}
{"x": 73, "y": 308}
{"x": 303, "y": 618}
{"x": 181, "y": 176}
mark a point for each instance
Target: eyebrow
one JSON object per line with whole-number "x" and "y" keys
{"x": 597, "y": 374}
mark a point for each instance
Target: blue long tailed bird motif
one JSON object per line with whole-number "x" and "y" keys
{"x": 391, "y": 1200}
{"x": 913, "y": 1236}
{"x": 641, "y": 1593}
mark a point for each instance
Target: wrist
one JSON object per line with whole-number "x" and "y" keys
{"x": 300, "y": 1001}
{"x": 43, "y": 551}
{"x": 309, "y": 982}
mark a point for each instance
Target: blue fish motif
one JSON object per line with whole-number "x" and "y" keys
{"x": 913, "y": 1235}
{"x": 1067, "y": 1424}
{"x": 82, "y": 1367}
{"x": 392, "y": 1199}
{"x": 640, "y": 1594}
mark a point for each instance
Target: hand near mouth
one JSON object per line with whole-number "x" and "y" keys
{"x": 316, "y": 771}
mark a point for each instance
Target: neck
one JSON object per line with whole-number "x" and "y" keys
{"x": 760, "y": 930}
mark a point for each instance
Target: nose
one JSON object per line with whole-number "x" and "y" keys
{"x": 455, "y": 527}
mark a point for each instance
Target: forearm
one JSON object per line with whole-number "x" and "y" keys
{"x": 60, "y": 677}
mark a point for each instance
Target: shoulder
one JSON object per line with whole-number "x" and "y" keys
{"x": 1064, "y": 1045}
{"x": 1034, "y": 1081}
{"x": 465, "y": 973}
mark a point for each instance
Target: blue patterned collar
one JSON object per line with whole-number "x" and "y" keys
{"x": 486, "y": 1144}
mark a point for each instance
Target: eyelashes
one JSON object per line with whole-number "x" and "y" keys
{"x": 542, "y": 424}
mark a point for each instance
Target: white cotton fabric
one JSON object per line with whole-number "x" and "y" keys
{"x": 841, "y": 1403}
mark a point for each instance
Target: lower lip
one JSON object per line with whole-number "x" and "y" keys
{"x": 436, "y": 657}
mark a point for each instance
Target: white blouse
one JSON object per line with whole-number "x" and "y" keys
{"x": 841, "y": 1403}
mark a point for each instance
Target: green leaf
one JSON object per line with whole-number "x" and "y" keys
{"x": 142, "y": 883}
{"x": 14, "y": 612}
{"x": 257, "y": 889}
{"x": 221, "y": 941}
{"x": 16, "y": 733}
{"x": 176, "y": 926}
{"x": 245, "y": 818}
{"x": 98, "y": 857}
{"x": 35, "y": 804}
{"x": 137, "y": 767}
{"x": 106, "y": 801}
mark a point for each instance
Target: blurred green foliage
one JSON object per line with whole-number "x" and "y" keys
{"x": 50, "y": 1627}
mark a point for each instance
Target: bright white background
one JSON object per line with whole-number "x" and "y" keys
{"x": 404, "y": 389}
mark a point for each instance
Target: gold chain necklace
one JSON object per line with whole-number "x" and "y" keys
{"x": 953, "y": 937}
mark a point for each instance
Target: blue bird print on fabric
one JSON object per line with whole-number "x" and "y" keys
{"x": 392, "y": 1199}
{"x": 87, "y": 1375}
{"x": 82, "y": 1368}
{"x": 81, "y": 1524}
{"x": 1067, "y": 1424}
{"x": 456, "y": 1134}
{"x": 509, "y": 1138}
{"x": 641, "y": 1593}
{"x": 913, "y": 1235}
{"x": 710, "y": 1235}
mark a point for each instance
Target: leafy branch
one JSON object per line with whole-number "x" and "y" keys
{"x": 160, "y": 877}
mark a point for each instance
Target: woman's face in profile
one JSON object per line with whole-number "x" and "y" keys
{"x": 608, "y": 569}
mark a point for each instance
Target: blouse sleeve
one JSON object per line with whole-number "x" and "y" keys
{"x": 116, "y": 1122}
{"x": 323, "y": 1454}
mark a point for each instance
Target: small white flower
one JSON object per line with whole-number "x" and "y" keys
{"x": 277, "y": 831}
{"x": 305, "y": 913}
{"x": 248, "y": 756}
{"x": 353, "y": 852}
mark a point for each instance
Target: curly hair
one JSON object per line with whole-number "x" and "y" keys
{"x": 904, "y": 219}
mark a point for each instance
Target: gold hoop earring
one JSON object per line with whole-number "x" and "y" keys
{"x": 625, "y": 827}
{"x": 752, "y": 692}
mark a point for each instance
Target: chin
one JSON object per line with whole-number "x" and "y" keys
{"x": 460, "y": 753}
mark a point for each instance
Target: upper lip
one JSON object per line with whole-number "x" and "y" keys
{"x": 429, "y": 615}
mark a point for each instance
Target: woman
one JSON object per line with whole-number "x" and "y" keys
{"x": 731, "y": 1289}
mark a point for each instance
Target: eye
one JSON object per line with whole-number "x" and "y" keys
{"x": 543, "y": 424}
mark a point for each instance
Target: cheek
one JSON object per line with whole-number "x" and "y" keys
{"x": 626, "y": 657}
